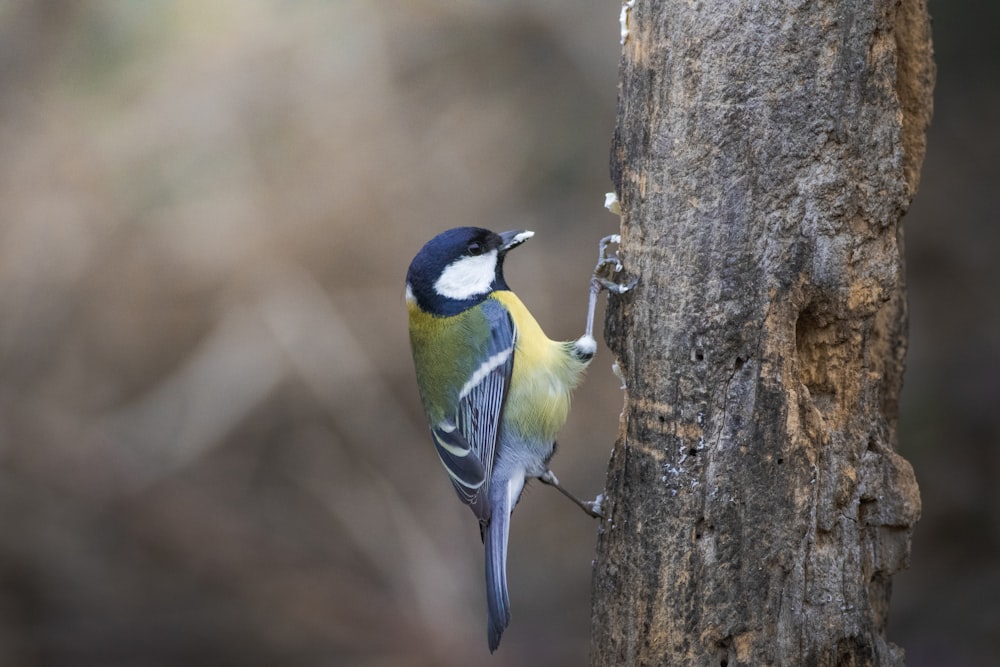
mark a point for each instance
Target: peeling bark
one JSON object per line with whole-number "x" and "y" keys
{"x": 764, "y": 156}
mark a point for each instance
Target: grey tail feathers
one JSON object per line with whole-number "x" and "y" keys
{"x": 497, "y": 602}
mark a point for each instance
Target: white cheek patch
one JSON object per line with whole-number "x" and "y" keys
{"x": 467, "y": 277}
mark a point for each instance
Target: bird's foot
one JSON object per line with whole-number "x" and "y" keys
{"x": 607, "y": 266}
{"x": 591, "y": 507}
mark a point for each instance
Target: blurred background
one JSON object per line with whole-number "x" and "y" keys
{"x": 211, "y": 450}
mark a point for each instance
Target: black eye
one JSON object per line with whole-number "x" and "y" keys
{"x": 476, "y": 248}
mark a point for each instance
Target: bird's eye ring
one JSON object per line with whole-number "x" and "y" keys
{"x": 476, "y": 248}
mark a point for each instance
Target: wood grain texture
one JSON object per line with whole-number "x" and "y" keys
{"x": 764, "y": 156}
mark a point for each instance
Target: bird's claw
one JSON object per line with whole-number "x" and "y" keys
{"x": 593, "y": 508}
{"x": 613, "y": 287}
{"x": 607, "y": 266}
{"x": 602, "y": 256}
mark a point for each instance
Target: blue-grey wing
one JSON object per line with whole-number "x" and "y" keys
{"x": 467, "y": 444}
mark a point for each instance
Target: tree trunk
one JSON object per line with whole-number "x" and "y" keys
{"x": 764, "y": 156}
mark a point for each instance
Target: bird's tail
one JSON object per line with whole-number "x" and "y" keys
{"x": 497, "y": 602}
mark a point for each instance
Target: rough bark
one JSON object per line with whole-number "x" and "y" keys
{"x": 764, "y": 156}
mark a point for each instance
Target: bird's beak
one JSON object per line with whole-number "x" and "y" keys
{"x": 514, "y": 238}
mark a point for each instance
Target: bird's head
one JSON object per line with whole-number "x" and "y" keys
{"x": 458, "y": 269}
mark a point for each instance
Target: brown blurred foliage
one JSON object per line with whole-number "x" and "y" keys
{"x": 211, "y": 451}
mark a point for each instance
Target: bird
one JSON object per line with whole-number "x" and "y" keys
{"x": 494, "y": 388}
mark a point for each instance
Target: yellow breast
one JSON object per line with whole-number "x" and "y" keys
{"x": 545, "y": 372}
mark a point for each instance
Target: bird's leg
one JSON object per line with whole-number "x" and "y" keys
{"x": 590, "y": 507}
{"x": 605, "y": 264}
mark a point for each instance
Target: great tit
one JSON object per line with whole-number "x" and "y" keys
{"x": 494, "y": 387}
